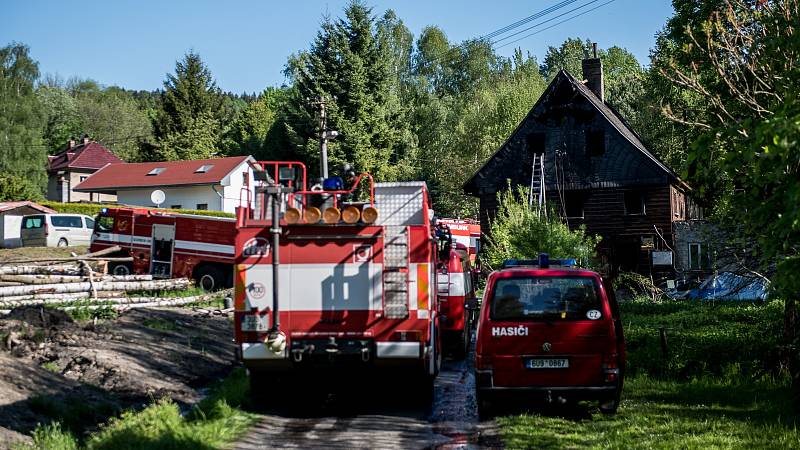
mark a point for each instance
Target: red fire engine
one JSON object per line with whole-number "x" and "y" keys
{"x": 169, "y": 245}
{"x": 466, "y": 232}
{"x": 457, "y": 300}
{"x": 349, "y": 285}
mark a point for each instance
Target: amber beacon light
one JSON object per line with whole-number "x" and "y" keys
{"x": 331, "y": 215}
{"x": 369, "y": 214}
{"x": 292, "y": 215}
{"x": 312, "y": 214}
{"x": 351, "y": 214}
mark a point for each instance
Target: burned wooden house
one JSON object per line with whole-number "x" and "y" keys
{"x": 597, "y": 173}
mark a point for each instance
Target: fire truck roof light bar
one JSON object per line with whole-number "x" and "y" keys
{"x": 543, "y": 262}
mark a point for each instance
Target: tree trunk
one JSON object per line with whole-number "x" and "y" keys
{"x": 82, "y": 297}
{"x": 72, "y": 295}
{"x": 57, "y": 279}
{"x": 175, "y": 284}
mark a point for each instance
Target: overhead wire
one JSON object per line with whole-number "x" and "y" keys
{"x": 487, "y": 37}
{"x": 556, "y": 24}
{"x": 544, "y": 22}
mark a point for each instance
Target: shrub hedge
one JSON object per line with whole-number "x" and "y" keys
{"x": 92, "y": 209}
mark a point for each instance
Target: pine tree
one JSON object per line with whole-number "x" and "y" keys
{"x": 348, "y": 66}
{"x": 21, "y": 146}
{"x": 188, "y": 122}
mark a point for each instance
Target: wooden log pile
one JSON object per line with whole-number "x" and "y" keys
{"x": 83, "y": 282}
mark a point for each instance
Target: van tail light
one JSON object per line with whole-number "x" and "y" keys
{"x": 610, "y": 368}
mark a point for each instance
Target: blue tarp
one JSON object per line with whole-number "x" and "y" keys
{"x": 730, "y": 286}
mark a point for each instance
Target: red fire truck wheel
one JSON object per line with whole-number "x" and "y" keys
{"x": 210, "y": 278}
{"x": 120, "y": 269}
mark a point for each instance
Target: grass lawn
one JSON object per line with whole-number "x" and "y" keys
{"x": 36, "y": 253}
{"x": 214, "y": 423}
{"x": 663, "y": 414}
{"x": 720, "y": 386}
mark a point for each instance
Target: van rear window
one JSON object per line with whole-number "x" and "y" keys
{"x": 532, "y": 298}
{"x": 32, "y": 222}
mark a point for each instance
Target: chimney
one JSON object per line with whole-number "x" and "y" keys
{"x": 70, "y": 144}
{"x": 85, "y": 139}
{"x": 593, "y": 73}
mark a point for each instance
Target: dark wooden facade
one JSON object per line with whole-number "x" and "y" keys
{"x": 598, "y": 173}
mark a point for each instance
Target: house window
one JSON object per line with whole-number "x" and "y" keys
{"x": 202, "y": 206}
{"x": 535, "y": 143}
{"x": 573, "y": 205}
{"x": 83, "y": 178}
{"x": 175, "y": 207}
{"x": 204, "y": 168}
{"x": 634, "y": 203}
{"x": 155, "y": 171}
{"x": 699, "y": 257}
{"x": 595, "y": 142}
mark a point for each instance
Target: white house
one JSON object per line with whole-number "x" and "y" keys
{"x": 213, "y": 184}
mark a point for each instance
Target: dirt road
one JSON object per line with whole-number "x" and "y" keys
{"x": 342, "y": 420}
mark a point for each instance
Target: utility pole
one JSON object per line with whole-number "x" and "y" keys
{"x": 324, "y": 136}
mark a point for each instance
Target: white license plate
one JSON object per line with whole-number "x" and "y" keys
{"x": 254, "y": 323}
{"x": 547, "y": 363}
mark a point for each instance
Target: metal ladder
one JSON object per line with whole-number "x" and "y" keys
{"x": 395, "y": 272}
{"x": 536, "y": 196}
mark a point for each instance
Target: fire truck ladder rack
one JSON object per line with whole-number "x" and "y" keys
{"x": 395, "y": 272}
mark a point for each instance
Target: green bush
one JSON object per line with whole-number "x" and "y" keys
{"x": 518, "y": 231}
{"x": 719, "y": 339}
{"x": 92, "y": 209}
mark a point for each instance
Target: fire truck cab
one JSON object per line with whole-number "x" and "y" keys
{"x": 353, "y": 286}
{"x": 168, "y": 245}
{"x": 548, "y": 331}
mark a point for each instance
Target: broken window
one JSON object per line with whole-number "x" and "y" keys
{"x": 595, "y": 142}
{"x": 573, "y": 205}
{"x": 634, "y": 203}
{"x": 535, "y": 142}
{"x": 699, "y": 258}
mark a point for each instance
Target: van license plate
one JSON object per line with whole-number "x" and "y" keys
{"x": 547, "y": 363}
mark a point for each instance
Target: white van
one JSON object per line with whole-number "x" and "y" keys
{"x": 56, "y": 230}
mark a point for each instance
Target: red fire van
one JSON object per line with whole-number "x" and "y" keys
{"x": 549, "y": 330}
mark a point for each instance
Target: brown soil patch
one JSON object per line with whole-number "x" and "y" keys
{"x": 55, "y": 369}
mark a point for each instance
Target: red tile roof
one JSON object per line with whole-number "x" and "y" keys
{"x": 123, "y": 176}
{"x": 83, "y": 156}
{"x": 6, "y": 206}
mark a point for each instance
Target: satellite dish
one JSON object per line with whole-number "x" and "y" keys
{"x": 158, "y": 196}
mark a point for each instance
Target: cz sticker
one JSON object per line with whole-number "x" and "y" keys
{"x": 593, "y": 314}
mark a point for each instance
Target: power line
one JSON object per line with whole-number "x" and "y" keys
{"x": 533, "y": 16}
{"x": 498, "y": 32}
{"x": 556, "y": 24}
{"x": 544, "y": 22}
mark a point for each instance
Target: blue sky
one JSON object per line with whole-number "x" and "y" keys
{"x": 133, "y": 44}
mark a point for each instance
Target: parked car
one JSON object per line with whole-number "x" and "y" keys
{"x": 551, "y": 332}
{"x": 56, "y": 230}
